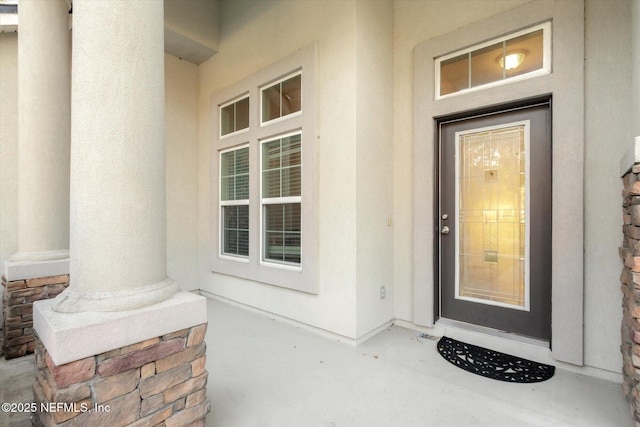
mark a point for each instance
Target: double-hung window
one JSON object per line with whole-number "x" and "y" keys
{"x": 234, "y": 202}
{"x": 263, "y": 227}
{"x": 281, "y": 198}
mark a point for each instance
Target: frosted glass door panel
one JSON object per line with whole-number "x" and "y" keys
{"x": 492, "y": 216}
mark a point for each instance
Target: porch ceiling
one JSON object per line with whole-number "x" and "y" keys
{"x": 191, "y": 29}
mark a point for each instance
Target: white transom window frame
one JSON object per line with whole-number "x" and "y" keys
{"x": 273, "y": 83}
{"x": 546, "y": 60}
{"x": 302, "y": 277}
{"x": 226, "y": 104}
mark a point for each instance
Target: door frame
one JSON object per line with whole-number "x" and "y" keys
{"x": 492, "y": 110}
{"x": 566, "y": 83}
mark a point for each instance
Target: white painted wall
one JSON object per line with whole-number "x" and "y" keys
{"x": 181, "y": 121}
{"x": 251, "y": 40}
{"x": 635, "y": 49}
{"x": 414, "y": 23}
{"x": 608, "y": 133}
{"x": 374, "y": 163}
{"x": 253, "y": 35}
{"x": 8, "y": 147}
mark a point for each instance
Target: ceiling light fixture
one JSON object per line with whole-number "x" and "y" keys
{"x": 511, "y": 59}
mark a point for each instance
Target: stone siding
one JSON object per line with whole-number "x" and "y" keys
{"x": 630, "y": 279}
{"x": 157, "y": 382}
{"x": 17, "y": 303}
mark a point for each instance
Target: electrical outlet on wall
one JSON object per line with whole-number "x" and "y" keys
{"x": 383, "y": 292}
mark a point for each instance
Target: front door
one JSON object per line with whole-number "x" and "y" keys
{"x": 495, "y": 220}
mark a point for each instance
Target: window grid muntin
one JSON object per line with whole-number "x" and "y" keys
{"x": 289, "y": 255}
{"x": 238, "y": 177}
{"x": 288, "y": 168}
{"x": 287, "y": 238}
{"x": 231, "y": 204}
{"x": 235, "y": 235}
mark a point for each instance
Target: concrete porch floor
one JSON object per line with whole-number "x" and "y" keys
{"x": 263, "y": 372}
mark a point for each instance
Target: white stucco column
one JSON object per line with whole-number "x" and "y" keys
{"x": 118, "y": 231}
{"x": 632, "y": 155}
{"x": 635, "y": 66}
{"x": 43, "y": 141}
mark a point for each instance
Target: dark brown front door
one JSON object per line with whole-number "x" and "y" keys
{"x": 495, "y": 220}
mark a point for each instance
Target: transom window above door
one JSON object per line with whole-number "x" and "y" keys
{"x": 513, "y": 57}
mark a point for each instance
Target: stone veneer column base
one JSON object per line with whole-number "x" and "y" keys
{"x": 630, "y": 278}
{"x": 158, "y": 381}
{"x": 17, "y": 304}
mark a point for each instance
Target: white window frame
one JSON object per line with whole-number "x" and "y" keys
{"x": 224, "y": 203}
{"x": 226, "y": 104}
{"x": 546, "y": 60}
{"x": 303, "y": 276}
{"x": 277, "y": 201}
{"x": 288, "y": 116}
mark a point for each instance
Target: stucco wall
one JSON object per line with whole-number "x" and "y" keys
{"x": 256, "y": 34}
{"x": 635, "y": 48}
{"x": 374, "y": 163}
{"x": 354, "y": 152}
{"x": 608, "y": 133}
{"x": 416, "y": 22}
{"x": 250, "y": 40}
{"x": 181, "y": 110}
{"x": 8, "y": 146}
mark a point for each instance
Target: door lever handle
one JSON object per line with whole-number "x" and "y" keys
{"x": 445, "y": 230}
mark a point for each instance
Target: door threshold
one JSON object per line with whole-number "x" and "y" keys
{"x": 502, "y": 339}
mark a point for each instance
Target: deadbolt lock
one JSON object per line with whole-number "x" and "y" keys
{"x": 445, "y": 216}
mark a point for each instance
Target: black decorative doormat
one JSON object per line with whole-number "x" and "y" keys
{"x": 493, "y": 364}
